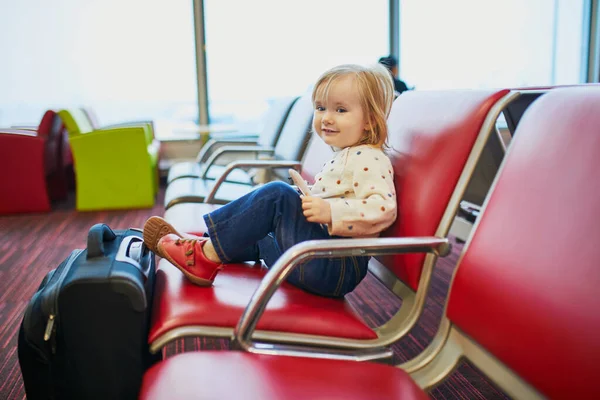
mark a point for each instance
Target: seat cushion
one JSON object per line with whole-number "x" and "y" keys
{"x": 177, "y": 303}
{"x": 236, "y": 176}
{"x": 237, "y": 375}
{"x": 188, "y": 217}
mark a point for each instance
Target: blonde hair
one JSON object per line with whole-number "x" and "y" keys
{"x": 376, "y": 91}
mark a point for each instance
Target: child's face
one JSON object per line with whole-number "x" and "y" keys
{"x": 339, "y": 119}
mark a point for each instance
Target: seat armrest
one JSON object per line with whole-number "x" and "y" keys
{"x": 212, "y": 144}
{"x": 270, "y": 164}
{"x": 232, "y": 149}
{"x": 308, "y": 250}
{"x": 469, "y": 211}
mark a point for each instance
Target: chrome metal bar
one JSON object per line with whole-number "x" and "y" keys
{"x": 205, "y": 151}
{"x": 248, "y": 164}
{"x": 236, "y": 135}
{"x": 315, "y": 352}
{"x": 323, "y": 249}
{"x": 232, "y": 149}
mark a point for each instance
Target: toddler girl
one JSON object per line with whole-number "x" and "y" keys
{"x": 352, "y": 196}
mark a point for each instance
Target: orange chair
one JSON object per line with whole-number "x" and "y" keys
{"x": 523, "y": 303}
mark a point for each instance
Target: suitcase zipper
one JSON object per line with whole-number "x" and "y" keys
{"x": 49, "y": 326}
{"x": 54, "y": 286}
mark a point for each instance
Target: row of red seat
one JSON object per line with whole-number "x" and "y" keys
{"x": 522, "y": 304}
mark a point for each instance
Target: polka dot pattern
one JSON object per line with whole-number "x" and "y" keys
{"x": 365, "y": 201}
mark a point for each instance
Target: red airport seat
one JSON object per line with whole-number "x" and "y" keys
{"x": 526, "y": 288}
{"x": 257, "y": 377}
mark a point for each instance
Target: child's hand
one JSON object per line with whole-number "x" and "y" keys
{"x": 316, "y": 210}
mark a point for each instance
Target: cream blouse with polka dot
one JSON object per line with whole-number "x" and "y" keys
{"x": 358, "y": 183}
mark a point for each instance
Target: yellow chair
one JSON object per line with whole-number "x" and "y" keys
{"x": 115, "y": 167}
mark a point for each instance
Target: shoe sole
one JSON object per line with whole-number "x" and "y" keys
{"x": 193, "y": 278}
{"x": 154, "y": 229}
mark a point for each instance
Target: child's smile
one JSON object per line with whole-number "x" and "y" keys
{"x": 327, "y": 131}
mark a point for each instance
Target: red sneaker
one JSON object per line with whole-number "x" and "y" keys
{"x": 188, "y": 257}
{"x": 155, "y": 228}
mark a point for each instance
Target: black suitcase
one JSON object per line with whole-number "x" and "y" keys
{"x": 84, "y": 334}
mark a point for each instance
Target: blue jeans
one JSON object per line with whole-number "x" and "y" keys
{"x": 265, "y": 223}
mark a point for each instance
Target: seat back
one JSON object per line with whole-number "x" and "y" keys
{"x": 76, "y": 121}
{"x": 23, "y": 183}
{"x": 526, "y": 288}
{"x": 274, "y": 120}
{"x": 432, "y": 135}
{"x": 296, "y": 131}
{"x": 316, "y": 155}
{"x": 50, "y": 129}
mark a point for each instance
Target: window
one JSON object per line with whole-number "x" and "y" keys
{"x": 125, "y": 59}
{"x": 485, "y": 43}
{"x": 262, "y": 49}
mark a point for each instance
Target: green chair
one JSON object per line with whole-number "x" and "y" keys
{"x": 115, "y": 167}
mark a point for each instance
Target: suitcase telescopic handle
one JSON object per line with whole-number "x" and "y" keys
{"x": 127, "y": 254}
{"x": 97, "y": 235}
